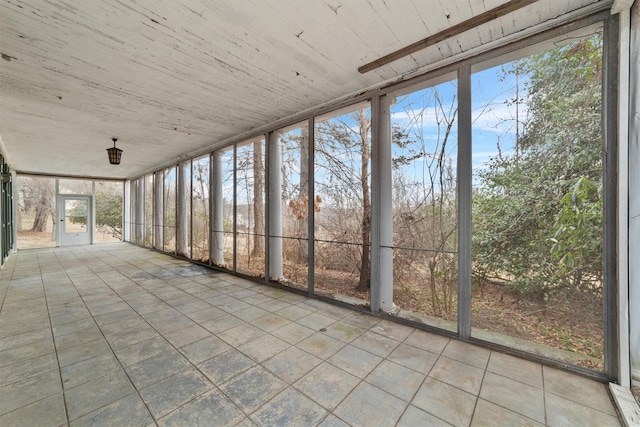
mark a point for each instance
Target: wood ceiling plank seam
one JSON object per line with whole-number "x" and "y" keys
{"x": 464, "y": 11}
{"x": 482, "y": 32}
{"x": 392, "y": 13}
{"x": 340, "y": 16}
{"x": 254, "y": 65}
{"x": 360, "y": 23}
{"x": 322, "y": 20}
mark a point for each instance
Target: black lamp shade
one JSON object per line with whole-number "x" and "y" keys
{"x": 114, "y": 153}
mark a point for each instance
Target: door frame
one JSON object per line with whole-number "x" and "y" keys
{"x": 74, "y": 239}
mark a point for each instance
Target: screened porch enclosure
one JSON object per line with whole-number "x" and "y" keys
{"x": 469, "y": 201}
{"x": 48, "y": 209}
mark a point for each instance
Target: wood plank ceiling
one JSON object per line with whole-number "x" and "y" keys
{"x": 171, "y": 77}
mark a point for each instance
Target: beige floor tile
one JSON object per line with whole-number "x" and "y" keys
{"x": 241, "y": 334}
{"x": 253, "y": 388}
{"x": 362, "y": 320}
{"x": 24, "y": 338}
{"x": 316, "y": 321}
{"x": 445, "y": 402}
{"x": 90, "y": 369}
{"x": 343, "y": 331}
{"x": 372, "y": 342}
{"x": 517, "y": 369}
{"x": 458, "y": 374}
{"x": 183, "y": 385}
{"x": 413, "y": 417}
{"x": 32, "y": 367}
{"x": 95, "y": 394}
{"x": 332, "y": 421}
{"x": 565, "y": 412}
{"x": 327, "y": 385}
{"x": 128, "y": 411}
{"x": 292, "y": 364}
{"x": 270, "y": 322}
{"x": 25, "y": 352}
{"x": 226, "y": 366}
{"x": 212, "y": 408}
{"x": 204, "y": 349}
{"x": 289, "y": 408}
{"x": 367, "y": 405}
{"x": 48, "y": 412}
{"x": 488, "y": 414}
{"x": 427, "y": 341}
{"x": 396, "y": 380}
{"x": 187, "y": 335}
{"x": 29, "y": 390}
{"x": 467, "y": 353}
{"x": 263, "y": 347}
{"x": 287, "y": 359}
{"x": 321, "y": 345}
{"x": 356, "y": 361}
{"x": 413, "y": 358}
{"x": 513, "y": 395}
{"x": 579, "y": 389}
{"x": 392, "y": 330}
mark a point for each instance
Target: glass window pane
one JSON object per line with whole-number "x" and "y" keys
{"x": 250, "y": 193}
{"x": 75, "y": 186}
{"x": 342, "y": 205}
{"x": 200, "y": 209}
{"x": 537, "y": 203}
{"x": 424, "y": 193}
{"x": 109, "y": 196}
{"x": 169, "y": 205}
{"x": 158, "y": 209}
{"x": 148, "y": 210}
{"x": 75, "y": 216}
{"x": 294, "y": 179}
{"x": 223, "y": 205}
{"x": 36, "y": 221}
{"x": 183, "y": 213}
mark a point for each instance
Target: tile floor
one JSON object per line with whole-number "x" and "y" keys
{"x": 150, "y": 340}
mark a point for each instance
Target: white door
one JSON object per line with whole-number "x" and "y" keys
{"x": 75, "y": 221}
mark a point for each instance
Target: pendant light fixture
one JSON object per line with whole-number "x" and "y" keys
{"x": 114, "y": 153}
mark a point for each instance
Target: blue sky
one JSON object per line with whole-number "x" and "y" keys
{"x": 493, "y": 122}
{"x": 493, "y": 115}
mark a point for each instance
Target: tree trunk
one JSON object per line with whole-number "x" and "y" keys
{"x": 303, "y": 246}
{"x": 435, "y": 301}
{"x": 365, "y": 263}
{"x": 258, "y": 201}
{"x": 40, "y": 220}
{"x": 19, "y": 219}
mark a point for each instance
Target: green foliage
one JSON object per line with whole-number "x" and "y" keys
{"x": 108, "y": 212}
{"x": 577, "y": 242}
{"x": 108, "y": 209}
{"x": 537, "y": 214}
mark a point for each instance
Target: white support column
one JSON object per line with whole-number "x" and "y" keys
{"x": 130, "y": 200}
{"x": 58, "y": 215}
{"x": 385, "y": 207}
{"x": 217, "y": 210}
{"x": 139, "y": 216}
{"x": 158, "y": 217}
{"x": 633, "y": 237}
{"x": 182, "y": 239}
{"x": 14, "y": 195}
{"x": 94, "y": 213}
{"x": 275, "y": 207}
